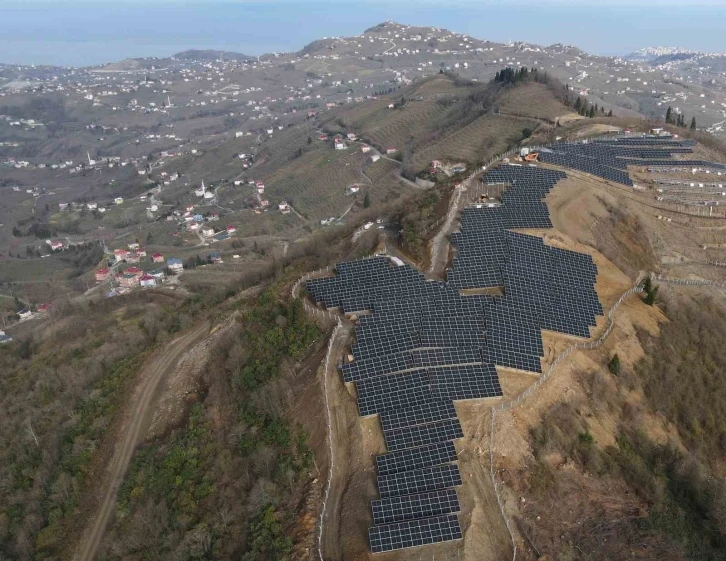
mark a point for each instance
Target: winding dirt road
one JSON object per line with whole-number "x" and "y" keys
{"x": 130, "y": 437}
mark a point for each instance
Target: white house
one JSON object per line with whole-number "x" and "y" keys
{"x": 375, "y": 158}
{"x": 284, "y": 207}
{"x": 118, "y": 200}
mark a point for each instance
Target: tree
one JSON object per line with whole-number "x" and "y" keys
{"x": 310, "y": 140}
{"x": 366, "y": 201}
{"x": 651, "y": 291}
{"x": 693, "y": 124}
{"x": 578, "y": 104}
{"x": 669, "y": 115}
{"x": 614, "y": 365}
{"x": 610, "y": 113}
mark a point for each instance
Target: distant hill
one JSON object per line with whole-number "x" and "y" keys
{"x": 210, "y": 54}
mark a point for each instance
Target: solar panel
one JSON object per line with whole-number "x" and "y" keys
{"x": 420, "y": 435}
{"x": 416, "y": 458}
{"x": 417, "y": 413}
{"x": 414, "y": 533}
{"x": 419, "y": 480}
{"x": 411, "y": 507}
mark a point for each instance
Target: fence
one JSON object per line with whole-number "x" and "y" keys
{"x": 638, "y": 288}
{"x": 504, "y": 406}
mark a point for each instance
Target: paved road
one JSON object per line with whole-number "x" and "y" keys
{"x": 130, "y": 438}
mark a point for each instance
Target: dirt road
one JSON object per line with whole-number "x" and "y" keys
{"x": 330, "y": 542}
{"x": 130, "y": 437}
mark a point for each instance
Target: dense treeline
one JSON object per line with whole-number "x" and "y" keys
{"x": 219, "y": 487}
{"x": 59, "y": 389}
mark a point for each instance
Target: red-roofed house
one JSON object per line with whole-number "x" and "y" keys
{"x": 56, "y": 246}
{"x": 44, "y": 308}
{"x": 231, "y": 229}
{"x": 141, "y": 252}
{"x": 133, "y": 271}
{"x": 120, "y": 254}
{"x": 391, "y": 150}
{"x": 147, "y": 280}
{"x": 103, "y": 274}
{"x": 133, "y": 257}
{"x": 157, "y": 258}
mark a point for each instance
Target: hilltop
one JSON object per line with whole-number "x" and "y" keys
{"x": 207, "y": 54}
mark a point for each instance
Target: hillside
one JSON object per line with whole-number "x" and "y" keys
{"x": 209, "y": 55}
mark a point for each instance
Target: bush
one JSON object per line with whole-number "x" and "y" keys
{"x": 614, "y": 365}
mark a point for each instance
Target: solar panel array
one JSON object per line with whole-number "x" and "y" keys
{"x": 609, "y": 158}
{"x": 421, "y": 345}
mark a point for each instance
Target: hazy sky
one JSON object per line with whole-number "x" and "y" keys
{"x": 80, "y": 32}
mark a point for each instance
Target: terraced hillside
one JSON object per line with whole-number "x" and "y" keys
{"x": 449, "y": 119}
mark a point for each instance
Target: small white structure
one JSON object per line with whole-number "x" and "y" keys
{"x": 118, "y": 200}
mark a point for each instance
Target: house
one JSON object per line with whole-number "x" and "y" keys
{"x": 351, "y": 136}
{"x": 353, "y": 189}
{"x": 103, "y": 274}
{"x": 231, "y": 229}
{"x": 436, "y": 164}
{"x": 133, "y": 271}
{"x": 215, "y": 257}
{"x": 24, "y": 314}
{"x": 44, "y": 308}
{"x": 391, "y": 150}
{"x": 4, "y": 338}
{"x": 208, "y": 195}
{"x": 120, "y": 254}
{"x": 174, "y": 264}
{"x": 92, "y": 206}
{"x": 133, "y": 245}
{"x": 222, "y": 236}
{"x": 157, "y": 257}
{"x": 365, "y": 149}
{"x": 55, "y": 246}
{"x": 323, "y": 137}
{"x": 284, "y": 207}
{"x": 118, "y": 200}
{"x": 141, "y": 252}
{"x": 127, "y": 280}
{"x": 63, "y": 206}
{"x": 147, "y": 280}
{"x": 158, "y": 274}
{"x": 375, "y": 157}
{"x": 264, "y": 203}
{"x": 340, "y": 145}
{"x": 133, "y": 257}
{"x": 208, "y": 232}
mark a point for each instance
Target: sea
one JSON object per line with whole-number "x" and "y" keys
{"x": 83, "y": 33}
